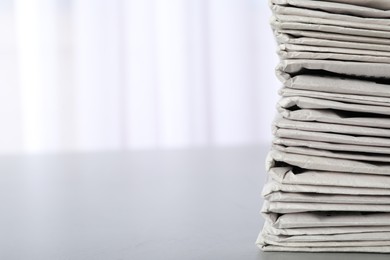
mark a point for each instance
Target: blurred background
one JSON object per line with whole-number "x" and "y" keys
{"x": 85, "y": 75}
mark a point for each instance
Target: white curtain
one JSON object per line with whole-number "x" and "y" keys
{"x": 130, "y": 74}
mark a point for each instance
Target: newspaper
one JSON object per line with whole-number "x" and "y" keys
{"x": 317, "y": 103}
{"x": 336, "y": 117}
{"x": 368, "y": 236}
{"x": 333, "y": 36}
{"x": 349, "y": 98}
{"x": 328, "y": 186}
{"x": 312, "y": 13}
{"x": 284, "y": 38}
{"x": 331, "y": 219}
{"x": 361, "y": 69}
{"x": 331, "y": 146}
{"x": 274, "y": 186}
{"x": 367, "y": 9}
{"x": 304, "y": 248}
{"x": 323, "y": 230}
{"x": 330, "y": 56}
{"x": 373, "y": 158}
{"x": 334, "y": 84}
{"x": 289, "y": 174}
{"x": 280, "y": 196}
{"x": 379, "y": 29}
{"x": 326, "y": 164}
{"x": 322, "y": 49}
{"x": 283, "y": 123}
{"x": 328, "y": 245}
{"x": 333, "y": 138}
{"x": 295, "y": 25}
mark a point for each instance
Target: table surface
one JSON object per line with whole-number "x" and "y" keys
{"x": 184, "y": 204}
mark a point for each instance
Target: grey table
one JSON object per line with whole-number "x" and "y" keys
{"x": 192, "y": 204}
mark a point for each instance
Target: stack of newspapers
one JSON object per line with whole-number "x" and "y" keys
{"x": 328, "y": 185}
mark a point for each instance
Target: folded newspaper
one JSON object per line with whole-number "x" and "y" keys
{"x": 328, "y": 187}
